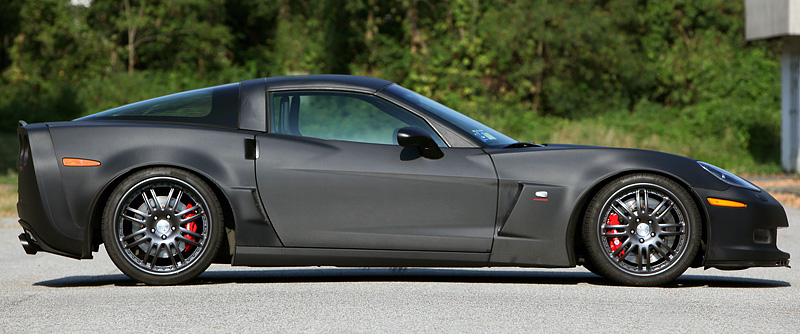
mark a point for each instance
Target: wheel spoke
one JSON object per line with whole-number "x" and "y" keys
{"x": 147, "y": 203}
{"x": 625, "y": 243}
{"x": 613, "y": 227}
{"x": 614, "y": 234}
{"x": 134, "y": 234}
{"x": 147, "y": 254}
{"x": 180, "y": 254}
{"x": 137, "y": 242}
{"x": 620, "y": 214}
{"x": 197, "y": 209}
{"x": 177, "y": 199}
{"x": 660, "y": 205}
{"x": 190, "y": 219}
{"x": 646, "y": 257}
{"x": 671, "y": 233}
{"x": 639, "y": 202}
{"x": 172, "y": 257}
{"x": 169, "y": 198}
{"x": 188, "y": 241}
{"x": 663, "y": 246}
{"x": 133, "y": 219}
{"x": 658, "y": 247}
{"x": 668, "y": 209}
{"x": 620, "y": 203}
{"x": 646, "y": 202}
{"x": 639, "y": 258}
{"x": 191, "y": 233}
{"x": 155, "y": 200}
{"x": 155, "y": 255}
{"x": 137, "y": 212}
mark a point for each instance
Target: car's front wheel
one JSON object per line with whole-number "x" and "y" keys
{"x": 162, "y": 226}
{"x": 642, "y": 229}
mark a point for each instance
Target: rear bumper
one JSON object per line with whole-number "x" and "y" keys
{"x": 42, "y": 207}
{"x": 32, "y": 243}
{"x": 740, "y": 238}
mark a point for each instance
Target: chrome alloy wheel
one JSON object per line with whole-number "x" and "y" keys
{"x": 643, "y": 229}
{"x": 161, "y": 225}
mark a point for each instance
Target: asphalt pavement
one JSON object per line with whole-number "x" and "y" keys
{"x": 49, "y": 293}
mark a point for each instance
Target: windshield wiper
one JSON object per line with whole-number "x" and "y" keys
{"x": 521, "y": 144}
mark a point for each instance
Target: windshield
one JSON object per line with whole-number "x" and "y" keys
{"x": 490, "y": 137}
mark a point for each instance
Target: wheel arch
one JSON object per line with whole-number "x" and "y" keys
{"x": 574, "y": 233}
{"x": 95, "y": 237}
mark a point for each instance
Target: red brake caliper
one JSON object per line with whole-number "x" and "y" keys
{"x": 191, "y": 227}
{"x": 614, "y": 243}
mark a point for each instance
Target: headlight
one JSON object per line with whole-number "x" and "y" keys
{"x": 728, "y": 177}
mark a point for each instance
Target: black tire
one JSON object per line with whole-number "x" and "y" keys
{"x": 591, "y": 268}
{"x": 162, "y": 226}
{"x": 642, "y": 229}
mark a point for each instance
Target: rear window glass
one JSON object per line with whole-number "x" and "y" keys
{"x": 209, "y": 106}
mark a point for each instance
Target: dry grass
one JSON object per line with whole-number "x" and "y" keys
{"x": 592, "y": 134}
{"x": 787, "y": 199}
{"x": 783, "y": 187}
{"x": 793, "y": 182}
{"x": 8, "y": 200}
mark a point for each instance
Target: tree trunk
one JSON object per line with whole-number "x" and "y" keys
{"x": 133, "y": 25}
{"x": 417, "y": 40}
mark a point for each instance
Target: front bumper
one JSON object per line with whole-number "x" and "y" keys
{"x": 739, "y": 238}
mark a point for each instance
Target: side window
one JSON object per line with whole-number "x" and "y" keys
{"x": 342, "y": 116}
{"x": 209, "y": 106}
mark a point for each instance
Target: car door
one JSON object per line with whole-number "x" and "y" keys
{"x": 331, "y": 175}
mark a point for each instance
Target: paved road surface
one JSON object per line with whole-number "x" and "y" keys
{"x": 48, "y": 293}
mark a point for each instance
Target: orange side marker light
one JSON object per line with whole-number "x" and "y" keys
{"x": 725, "y": 203}
{"x": 75, "y": 162}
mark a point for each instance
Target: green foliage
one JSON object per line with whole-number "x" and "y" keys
{"x": 667, "y": 75}
{"x": 54, "y": 42}
{"x": 165, "y": 35}
{"x": 38, "y": 102}
{"x": 8, "y": 158}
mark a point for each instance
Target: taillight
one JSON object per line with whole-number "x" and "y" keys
{"x": 24, "y": 152}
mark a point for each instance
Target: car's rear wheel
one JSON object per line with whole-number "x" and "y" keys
{"x": 162, "y": 226}
{"x": 642, "y": 229}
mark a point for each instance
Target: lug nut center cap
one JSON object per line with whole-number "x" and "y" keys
{"x": 162, "y": 226}
{"x": 643, "y": 230}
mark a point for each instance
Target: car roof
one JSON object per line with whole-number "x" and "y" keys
{"x": 326, "y": 81}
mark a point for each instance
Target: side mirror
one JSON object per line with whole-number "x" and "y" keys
{"x": 415, "y": 137}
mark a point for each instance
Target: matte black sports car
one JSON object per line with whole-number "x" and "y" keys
{"x": 354, "y": 171}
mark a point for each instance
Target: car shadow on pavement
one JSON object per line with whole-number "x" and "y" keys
{"x": 426, "y": 275}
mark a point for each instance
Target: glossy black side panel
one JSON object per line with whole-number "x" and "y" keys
{"x": 213, "y": 153}
{"x": 41, "y": 206}
{"x": 337, "y": 194}
{"x": 537, "y": 232}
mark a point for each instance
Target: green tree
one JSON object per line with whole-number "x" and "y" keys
{"x": 166, "y": 35}
{"x": 55, "y": 41}
{"x": 9, "y": 28}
